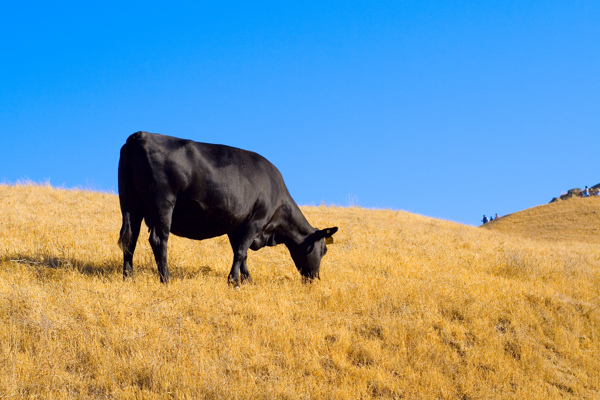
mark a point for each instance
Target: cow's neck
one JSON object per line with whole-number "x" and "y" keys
{"x": 298, "y": 230}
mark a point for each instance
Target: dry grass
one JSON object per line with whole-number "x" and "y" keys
{"x": 407, "y": 307}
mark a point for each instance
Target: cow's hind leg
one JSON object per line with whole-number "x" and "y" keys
{"x": 159, "y": 236}
{"x": 128, "y": 240}
{"x": 158, "y": 241}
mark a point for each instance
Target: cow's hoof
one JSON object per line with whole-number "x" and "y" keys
{"x": 233, "y": 282}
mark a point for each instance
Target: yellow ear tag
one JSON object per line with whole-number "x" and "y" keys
{"x": 329, "y": 240}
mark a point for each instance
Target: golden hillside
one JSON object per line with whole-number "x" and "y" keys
{"x": 575, "y": 219}
{"x": 407, "y": 307}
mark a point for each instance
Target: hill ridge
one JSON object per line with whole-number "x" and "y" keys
{"x": 577, "y": 219}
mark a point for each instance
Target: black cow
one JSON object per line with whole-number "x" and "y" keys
{"x": 199, "y": 191}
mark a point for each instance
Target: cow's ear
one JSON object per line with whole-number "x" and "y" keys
{"x": 329, "y": 231}
{"x": 326, "y": 234}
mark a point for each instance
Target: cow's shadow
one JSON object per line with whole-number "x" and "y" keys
{"x": 88, "y": 268}
{"x": 103, "y": 269}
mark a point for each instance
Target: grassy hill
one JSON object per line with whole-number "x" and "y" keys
{"x": 576, "y": 219}
{"x": 408, "y": 307}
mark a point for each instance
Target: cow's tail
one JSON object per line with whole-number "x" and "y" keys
{"x": 125, "y": 236}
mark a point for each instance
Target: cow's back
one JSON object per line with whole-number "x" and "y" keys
{"x": 214, "y": 188}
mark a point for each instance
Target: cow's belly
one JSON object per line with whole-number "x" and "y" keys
{"x": 195, "y": 222}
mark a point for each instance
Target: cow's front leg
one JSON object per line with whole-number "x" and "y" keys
{"x": 234, "y": 274}
{"x": 244, "y": 274}
{"x": 240, "y": 243}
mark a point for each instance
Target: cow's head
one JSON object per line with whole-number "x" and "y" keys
{"x": 307, "y": 256}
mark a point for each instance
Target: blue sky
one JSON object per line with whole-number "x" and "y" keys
{"x": 450, "y": 109}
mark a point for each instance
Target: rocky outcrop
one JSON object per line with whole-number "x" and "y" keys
{"x": 593, "y": 191}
